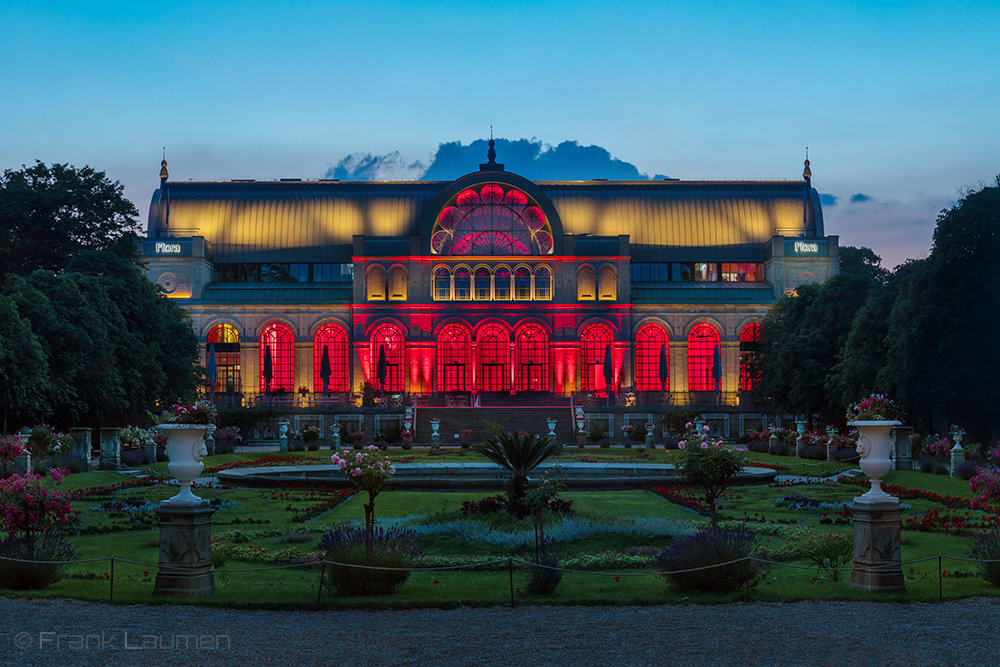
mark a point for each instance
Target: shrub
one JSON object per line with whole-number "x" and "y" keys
{"x": 831, "y": 551}
{"x": 941, "y": 469}
{"x": 605, "y": 443}
{"x": 708, "y": 548}
{"x": 781, "y": 449}
{"x": 543, "y": 579}
{"x": 968, "y": 470}
{"x": 350, "y": 545}
{"x": 49, "y": 545}
{"x": 927, "y": 463}
{"x": 313, "y": 446}
{"x": 407, "y": 444}
{"x": 986, "y": 547}
{"x": 69, "y": 462}
{"x": 135, "y": 457}
{"x": 817, "y": 452}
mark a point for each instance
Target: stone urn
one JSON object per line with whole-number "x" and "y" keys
{"x": 551, "y": 423}
{"x": 187, "y": 450}
{"x": 874, "y": 446}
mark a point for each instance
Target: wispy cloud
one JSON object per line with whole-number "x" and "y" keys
{"x": 860, "y": 198}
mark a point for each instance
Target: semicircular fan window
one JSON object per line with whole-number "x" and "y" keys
{"x": 491, "y": 219}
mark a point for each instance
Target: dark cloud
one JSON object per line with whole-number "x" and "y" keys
{"x": 530, "y": 158}
{"x": 368, "y": 167}
{"x": 827, "y": 200}
{"x": 860, "y": 198}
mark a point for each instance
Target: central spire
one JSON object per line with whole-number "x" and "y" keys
{"x": 491, "y": 157}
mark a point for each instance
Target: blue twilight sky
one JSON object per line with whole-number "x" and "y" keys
{"x": 897, "y": 101}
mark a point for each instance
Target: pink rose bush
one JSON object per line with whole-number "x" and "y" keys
{"x": 10, "y": 449}
{"x": 30, "y": 505}
{"x": 369, "y": 470}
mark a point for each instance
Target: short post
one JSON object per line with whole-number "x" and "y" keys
{"x": 209, "y": 441}
{"x": 111, "y": 449}
{"x": 552, "y": 428}
{"x": 319, "y": 595}
{"x": 800, "y": 428}
{"x": 283, "y": 435}
{"x": 510, "y": 571}
{"x": 112, "y": 575}
{"x": 81, "y": 445}
{"x": 830, "y": 432}
{"x": 650, "y": 436}
{"x": 336, "y": 436}
{"x": 435, "y": 436}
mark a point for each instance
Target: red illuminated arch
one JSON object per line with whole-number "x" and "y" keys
{"x": 492, "y": 219}
{"x": 702, "y": 344}
{"x": 391, "y": 337}
{"x": 454, "y": 359}
{"x": 531, "y": 358}
{"x": 334, "y": 339}
{"x": 279, "y": 341}
{"x": 651, "y": 341}
{"x": 594, "y": 340}
{"x": 493, "y": 353}
{"x": 749, "y": 359}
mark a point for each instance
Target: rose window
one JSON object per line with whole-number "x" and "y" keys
{"x": 489, "y": 220}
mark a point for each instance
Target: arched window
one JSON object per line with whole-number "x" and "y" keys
{"x": 454, "y": 360}
{"x": 703, "y": 346}
{"x": 463, "y": 284}
{"x": 586, "y": 284}
{"x": 501, "y": 284}
{"x": 376, "y": 283}
{"x": 531, "y": 359}
{"x": 390, "y": 337}
{"x": 522, "y": 284}
{"x": 226, "y": 342}
{"x": 482, "y": 291}
{"x": 493, "y": 347}
{"x": 608, "y": 284}
{"x": 442, "y": 284}
{"x": 652, "y": 358}
{"x": 595, "y": 340}
{"x": 277, "y": 359}
{"x": 491, "y": 219}
{"x": 397, "y": 284}
{"x": 330, "y": 341}
{"x": 749, "y": 356}
{"x": 543, "y": 284}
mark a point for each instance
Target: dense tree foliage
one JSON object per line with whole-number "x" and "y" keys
{"x": 85, "y": 337}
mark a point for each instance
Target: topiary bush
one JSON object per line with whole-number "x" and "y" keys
{"x": 350, "y": 545}
{"x": 708, "y": 548}
{"x": 49, "y": 545}
{"x": 986, "y": 546}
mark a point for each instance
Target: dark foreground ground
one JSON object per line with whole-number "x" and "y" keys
{"x": 841, "y": 634}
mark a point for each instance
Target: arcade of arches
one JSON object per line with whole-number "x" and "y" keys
{"x": 489, "y": 357}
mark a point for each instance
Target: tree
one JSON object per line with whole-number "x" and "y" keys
{"x": 862, "y": 262}
{"x": 520, "y": 453}
{"x": 48, "y": 214}
{"x": 24, "y": 372}
{"x": 709, "y": 465}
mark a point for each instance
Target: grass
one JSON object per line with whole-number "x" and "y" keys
{"x": 275, "y": 510}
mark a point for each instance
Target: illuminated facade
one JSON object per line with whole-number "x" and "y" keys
{"x": 490, "y": 283}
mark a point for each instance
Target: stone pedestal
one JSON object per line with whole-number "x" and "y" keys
{"x": 283, "y": 436}
{"x": 81, "y": 445}
{"x": 111, "y": 449}
{"x": 185, "y": 550}
{"x": 902, "y": 453}
{"x": 957, "y": 458}
{"x": 876, "y": 548}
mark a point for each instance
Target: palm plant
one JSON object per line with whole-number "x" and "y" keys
{"x": 520, "y": 453}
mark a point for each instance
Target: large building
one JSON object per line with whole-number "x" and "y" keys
{"x": 490, "y": 284}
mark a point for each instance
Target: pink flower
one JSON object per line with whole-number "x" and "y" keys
{"x": 680, "y": 445}
{"x": 705, "y": 429}
{"x": 336, "y": 459}
{"x": 688, "y": 425}
{"x": 704, "y": 446}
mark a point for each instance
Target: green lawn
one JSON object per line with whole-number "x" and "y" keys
{"x": 270, "y": 521}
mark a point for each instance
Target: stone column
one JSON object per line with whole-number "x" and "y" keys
{"x": 111, "y": 449}
{"x": 81, "y": 445}
{"x": 957, "y": 452}
{"x": 902, "y": 456}
{"x": 877, "y": 548}
{"x": 830, "y": 432}
{"x": 800, "y": 428}
{"x": 185, "y": 550}
{"x": 283, "y": 435}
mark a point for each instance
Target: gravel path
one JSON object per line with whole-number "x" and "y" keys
{"x": 814, "y": 634}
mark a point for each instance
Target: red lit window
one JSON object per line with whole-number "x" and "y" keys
{"x": 652, "y": 350}
{"x": 391, "y": 338}
{"x": 594, "y": 342}
{"x": 332, "y": 339}
{"x": 226, "y": 342}
{"x": 749, "y": 359}
{"x": 739, "y": 273}
{"x": 531, "y": 359}
{"x": 493, "y": 348}
{"x": 454, "y": 361}
{"x": 703, "y": 341}
{"x": 277, "y": 359}
{"x": 491, "y": 221}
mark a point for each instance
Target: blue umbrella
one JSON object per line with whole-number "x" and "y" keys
{"x": 609, "y": 371}
{"x": 268, "y": 370}
{"x": 324, "y": 368}
{"x": 664, "y": 367}
{"x": 382, "y": 370}
{"x": 717, "y": 368}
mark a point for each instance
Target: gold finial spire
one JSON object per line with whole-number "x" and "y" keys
{"x": 807, "y": 172}
{"x": 163, "y": 168}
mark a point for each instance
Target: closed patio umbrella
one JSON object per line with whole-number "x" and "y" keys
{"x": 717, "y": 368}
{"x": 324, "y": 368}
{"x": 609, "y": 372}
{"x": 268, "y": 370}
{"x": 381, "y": 370}
{"x": 210, "y": 366}
{"x": 664, "y": 367}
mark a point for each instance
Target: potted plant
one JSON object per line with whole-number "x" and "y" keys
{"x": 185, "y": 427}
{"x": 406, "y": 439}
{"x": 874, "y": 418}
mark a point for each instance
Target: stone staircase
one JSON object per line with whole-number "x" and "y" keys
{"x": 529, "y": 419}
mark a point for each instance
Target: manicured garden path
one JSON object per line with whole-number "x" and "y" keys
{"x": 807, "y": 634}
